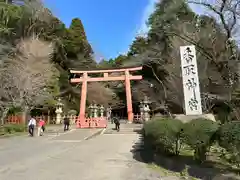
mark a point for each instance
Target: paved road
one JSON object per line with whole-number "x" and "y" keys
{"x": 69, "y": 157}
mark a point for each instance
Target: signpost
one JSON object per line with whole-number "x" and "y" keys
{"x": 191, "y": 89}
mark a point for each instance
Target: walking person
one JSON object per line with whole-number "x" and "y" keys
{"x": 66, "y": 122}
{"x": 31, "y": 125}
{"x": 41, "y": 127}
{"x": 117, "y": 123}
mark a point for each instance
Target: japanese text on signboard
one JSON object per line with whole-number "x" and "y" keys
{"x": 190, "y": 80}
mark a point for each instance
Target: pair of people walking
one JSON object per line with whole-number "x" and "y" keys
{"x": 32, "y": 124}
{"x": 41, "y": 126}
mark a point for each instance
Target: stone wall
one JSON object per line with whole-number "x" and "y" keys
{"x": 186, "y": 118}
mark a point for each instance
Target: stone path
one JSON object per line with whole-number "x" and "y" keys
{"x": 70, "y": 157}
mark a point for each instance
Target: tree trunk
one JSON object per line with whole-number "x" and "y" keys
{"x": 4, "y": 114}
{"x": 48, "y": 118}
{"x": 25, "y": 114}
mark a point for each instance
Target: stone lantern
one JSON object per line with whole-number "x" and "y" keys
{"x": 101, "y": 108}
{"x": 141, "y": 110}
{"x": 95, "y": 111}
{"x": 146, "y": 109}
{"x": 109, "y": 112}
{"x": 59, "y": 111}
{"x": 90, "y": 108}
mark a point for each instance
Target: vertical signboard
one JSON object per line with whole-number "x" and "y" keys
{"x": 191, "y": 89}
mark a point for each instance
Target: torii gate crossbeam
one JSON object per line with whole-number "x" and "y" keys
{"x": 127, "y": 77}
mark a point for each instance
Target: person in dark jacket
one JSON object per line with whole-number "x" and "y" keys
{"x": 117, "y": 123}
{"x": 66, "y": 122}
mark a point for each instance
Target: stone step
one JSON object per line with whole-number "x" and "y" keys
{"x": 123, "y": 131}
{"x": 120, "y": 132}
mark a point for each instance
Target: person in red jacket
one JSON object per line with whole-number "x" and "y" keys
{"x": 41, "y": 127}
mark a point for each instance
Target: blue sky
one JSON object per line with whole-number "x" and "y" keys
{"x": 110, "y": 25}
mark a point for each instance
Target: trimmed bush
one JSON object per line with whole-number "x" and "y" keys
{"x": 229, "y": 138}
{"x": 2, "y": 131}
{"x": 12, "y": 128}
{"x": 164, "y": 135}
{"x": 199, "y": 134}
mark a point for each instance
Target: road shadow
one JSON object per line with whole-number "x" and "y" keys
{"x": 140, "y": 151}
{"x": 143, "y": 152}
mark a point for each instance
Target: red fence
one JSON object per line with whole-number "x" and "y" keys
{"x": 137, "y": 118}
{"x": 99, "y": 122}
{"x": 18, "y": 119}
{"x": 14, "y": 119}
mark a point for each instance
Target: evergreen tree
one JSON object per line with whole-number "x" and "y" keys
{"x": 76, "y": 40}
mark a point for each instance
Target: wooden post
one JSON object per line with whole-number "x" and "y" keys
{"x": 128, "y": 96}
{"x": 83, "y": 97}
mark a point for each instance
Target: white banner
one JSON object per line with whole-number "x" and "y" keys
{"x": 191, "y": 89}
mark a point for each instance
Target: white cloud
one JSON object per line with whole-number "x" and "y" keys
{"x": 149, "y": 9}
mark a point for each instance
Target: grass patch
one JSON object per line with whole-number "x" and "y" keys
{"x": 12, "y": 135}
{"x": 213, "y": 166}
{"x": 9, "y": 130}
{"x": 164, "y": 172}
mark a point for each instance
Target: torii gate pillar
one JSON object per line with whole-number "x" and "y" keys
{"x": 128, "y": 96}
{"x": 83, "y": 97}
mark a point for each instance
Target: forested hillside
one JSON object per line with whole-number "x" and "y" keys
{"x": 172, "y": 24}
{"x": 20, "y": 20}
{"x": 216, "y": 35}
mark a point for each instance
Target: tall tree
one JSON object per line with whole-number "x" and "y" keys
{"x": 138, "y": 46}
{"x": 174, "y": 24}
{"x": 28, "y": 77}
{"x": 76, "y": 40}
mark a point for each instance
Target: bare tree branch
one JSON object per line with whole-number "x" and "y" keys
{"x": 98, "y": 93}
{"x": 226, "y": 11}
{"x": 26, "y": 76}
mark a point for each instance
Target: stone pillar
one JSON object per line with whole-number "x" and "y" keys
{"x": 146, "y": 109}
{"x": 101, "y": 111}
{"x": 141, "y": 110}
{"x": 109, "y": 112}
{"x": 59, "y": 112}
{"x": 90, "y": 110}
{"x": 146, "y": 115}
{"x": 95, "y": 111}
{"x": 48, "y": 117}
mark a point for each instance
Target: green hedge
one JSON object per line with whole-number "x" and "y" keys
{"x": 164, "y": 135}
{"x": 229, "y": 139}
{"x": 199, "y": 134}
{"x": 167, "y": 135}
{"x": 12, "y": 128}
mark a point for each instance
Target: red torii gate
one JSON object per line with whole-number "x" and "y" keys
{"x": 127, "y": 77}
